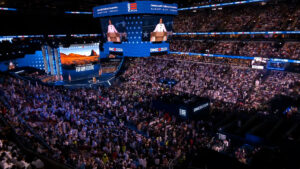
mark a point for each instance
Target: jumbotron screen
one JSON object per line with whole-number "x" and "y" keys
{"x": 135, "y": 28}
{"x": 143, "y": 25}
{"x": 80, "y": 61}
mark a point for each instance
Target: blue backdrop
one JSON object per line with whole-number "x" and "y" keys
{"x": 138, "y": 7}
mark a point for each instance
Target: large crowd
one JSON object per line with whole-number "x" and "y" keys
{"x": 91, "y": 127}
{"x": 274, "y": 17}
{"x": 11, "y": 156}
{"x": 117, "y": 127}
{"x": 266, "y": 49}
{"x": 223, "y": 83}
{"x": 211, "y": 2}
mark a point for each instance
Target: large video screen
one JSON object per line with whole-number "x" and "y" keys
{"x": 153, "y": 25}
{"x": 154, "y": 28}
{"x": 80, "y": 61}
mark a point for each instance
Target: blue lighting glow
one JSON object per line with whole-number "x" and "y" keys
{"x": 42, "y": 36}
{"x": 238, "y": 33}
{"x": 78, "y": 12}
{"x": 220, "y": 5}
{"x": 7, "y": 9}
{"x": 234, "y": 57}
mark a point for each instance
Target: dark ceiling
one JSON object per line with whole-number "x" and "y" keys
{"x": 86, "y": 5}
{"x": 48, "y": 17}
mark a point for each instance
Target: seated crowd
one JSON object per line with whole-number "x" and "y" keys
{"x": 287, "y": 50}
{"x": 116, "y": 127}
{"x": 221, "y": 83}
{"x": 271, "y": 17}
{"x": 212, "y": 2}
{"x": 211, "y": 60}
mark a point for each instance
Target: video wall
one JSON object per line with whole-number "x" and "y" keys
{"x": 115, "y": 25}
{"x": 80, "y": 61}
{"x": 155, "y": 23}
{"x": 136, "y": 29}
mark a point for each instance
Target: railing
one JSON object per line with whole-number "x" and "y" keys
{"x": 36, "y": 136}
{"x": 173, "y": 162}
{"x": 235, "y": 57}
{"x": 3, "y": 98}
{"x": 221, "y": 5}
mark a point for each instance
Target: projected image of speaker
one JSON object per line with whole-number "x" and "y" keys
{"x": 160, "y": 32}
{"x": 136, "y": 29}
{"x": 158, "y": 27}
{"x": 114, "y": 29}
{"x": 112, "y": 33}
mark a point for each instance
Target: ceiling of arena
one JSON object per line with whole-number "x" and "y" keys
{"x": 69, "y": 4}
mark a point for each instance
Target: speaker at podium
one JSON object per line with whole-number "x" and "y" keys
{"x": 136, "y": 28}
{"x": 160, "y": 33}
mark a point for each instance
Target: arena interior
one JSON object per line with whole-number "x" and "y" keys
{"x": 112, "y": 84}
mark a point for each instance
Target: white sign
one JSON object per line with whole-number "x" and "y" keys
{"x": 201, "y": 107}
{"x": 159, "y": 49}
{"x": 84, "y": 68}
{"x": 115, "y": 49}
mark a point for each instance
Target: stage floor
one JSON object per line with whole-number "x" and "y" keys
{"x": 88, "y": 82}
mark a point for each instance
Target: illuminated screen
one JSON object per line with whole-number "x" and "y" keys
{"x": 118, "y": 25}
{"x": 151, "y": 24}
{"x": 135, "y": 27}
{"x": 80, "y": 61}
{"x": 182, "y": 112}
{"x": 138, "y": 29}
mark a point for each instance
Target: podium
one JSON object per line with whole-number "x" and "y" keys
{"x": 158, "y": 36}
{"x": 113, "y": 37}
